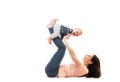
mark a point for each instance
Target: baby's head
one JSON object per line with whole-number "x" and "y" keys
{"x": 77, "y": 32}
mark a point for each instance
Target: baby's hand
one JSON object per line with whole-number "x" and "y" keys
{"x": 49, "y": 40}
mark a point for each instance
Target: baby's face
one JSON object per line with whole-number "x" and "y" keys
{"x": 77, "y": 32}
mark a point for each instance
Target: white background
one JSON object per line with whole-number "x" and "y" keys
{"x": 24, "y": 50}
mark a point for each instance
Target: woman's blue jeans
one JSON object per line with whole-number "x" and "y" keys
{"x": 52, "y": 67}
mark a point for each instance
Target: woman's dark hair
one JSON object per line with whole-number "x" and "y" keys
{"x": 94, "y": 68}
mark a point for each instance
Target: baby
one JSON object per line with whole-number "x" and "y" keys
{"x": 60, "y": 30}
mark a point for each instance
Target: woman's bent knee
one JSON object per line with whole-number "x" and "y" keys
{"x": 50, "y": 73}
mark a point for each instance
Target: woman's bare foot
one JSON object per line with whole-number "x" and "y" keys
{"x": 52, "y": 23}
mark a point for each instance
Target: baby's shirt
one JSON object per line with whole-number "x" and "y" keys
{"x": 60, "y": 30}
{"x": 64, "y": 31}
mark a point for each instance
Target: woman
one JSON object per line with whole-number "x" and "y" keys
{"x": 90, "y": 67}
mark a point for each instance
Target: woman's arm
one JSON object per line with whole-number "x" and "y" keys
{"x": 71, "y": 51}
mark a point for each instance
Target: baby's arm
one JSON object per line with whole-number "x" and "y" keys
{"x": 56, "y": 29}
{"x": 55, "y": 34}
{"x": 49, "y": 40}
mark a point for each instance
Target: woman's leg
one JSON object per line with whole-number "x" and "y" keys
{"x": 52, "y": 67}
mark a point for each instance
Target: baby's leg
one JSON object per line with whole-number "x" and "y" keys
{"x": 52, "y": 23}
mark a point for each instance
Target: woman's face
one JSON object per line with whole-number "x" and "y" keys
{"x": 87, "y": 59}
